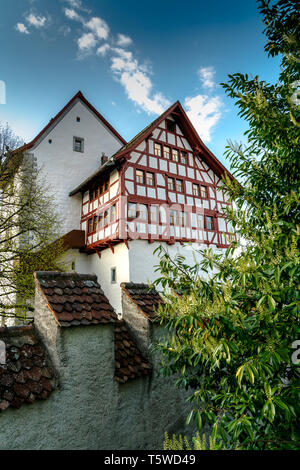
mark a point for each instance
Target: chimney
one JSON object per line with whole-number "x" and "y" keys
{"x": 104, "y": 158}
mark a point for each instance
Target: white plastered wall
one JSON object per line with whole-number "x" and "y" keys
{"x": 64, "y": 168}
{"x": 92, "y": 264}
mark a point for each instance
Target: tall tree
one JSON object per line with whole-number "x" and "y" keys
{"x": 29, "y": 228}
{"x": 235, "y": 328}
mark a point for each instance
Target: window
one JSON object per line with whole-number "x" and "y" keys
{"x": 167, "y": 152}
{"x": 106, "y": 220}
{"x": 50, "y": 141}
{"x": 140, "y": 176}
{"x": 153, "y": 214}
{"x": 101, "y": 220}
{"x": 157, "y": 149}
{"x": 78, "y": 119}
{"x": 175, "y": 155}
{"x": 209, "y": 223}
{"x": 106, "y": 184}
{"x": 179, "y": 186}
{"x": 184, "y": 219}
{"x": 173, "y": 217}
{"x": 78, "y": 144}
{"x": 170, "y": 125}
{"x": 90, "y": 225}
{"x": 113, "y": 213}
{"x": 131, "y": 210}
{"x": 150, "y": 179}
{"x": 95, "y": 223}
{"x": 203, "y": 191}
{"x": 196, "y": 189}
{"x": 184, "y": 158}
{"x": 142, "y": 212}
{"x": 171, "y": 184}
{"x": 113, "y": 274}
{"x": 200, "y": 221}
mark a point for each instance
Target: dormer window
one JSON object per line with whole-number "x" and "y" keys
{"x": 170, "y": 125}
{"x": 78, "y": 144}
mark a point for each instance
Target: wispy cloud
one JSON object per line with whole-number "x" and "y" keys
{"x": 136, "y": 81}
{"x": 36, "y": 21}
{"x": 102, "y": 50}
{"x": 98, "y": 27}
{"x": 22, "y": 28}
{"x": 204, "y": 112}
{"x": 206, "y": 75}
{"x": 123, "y": 40}
{"x": 32, "y": 20}
{"x": 126, "y": 69}
{"x": 72, "y": 14}
{"x": 86, "y": 42}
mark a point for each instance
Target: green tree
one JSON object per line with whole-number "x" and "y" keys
{"x": 235, "y": 325}
{"x": 29, "y": 228}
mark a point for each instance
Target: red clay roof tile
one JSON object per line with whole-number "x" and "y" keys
{"x": 146, "y": 298}
{"x": 75, "y": 299}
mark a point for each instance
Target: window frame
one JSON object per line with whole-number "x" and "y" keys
{"x": 139, "y": 176}
{"x": 170, "y": 179}
{"x": 155, "y": 148}
{"x": 81, "y": 139}
{"x": 152, "y": 178}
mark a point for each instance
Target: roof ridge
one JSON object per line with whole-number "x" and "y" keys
{"x": 77, "y": 95}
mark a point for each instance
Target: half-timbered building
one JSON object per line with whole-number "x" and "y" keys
{"x": 120, "y": 200}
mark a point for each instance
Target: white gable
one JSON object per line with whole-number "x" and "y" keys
{"x": 65, "y": 168}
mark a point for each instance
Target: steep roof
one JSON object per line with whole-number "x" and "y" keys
{"x": 129, "y": 361}
{"x": 27, "y": 374}
{"x": 184, "y": 122}
{"x": 75, "y": 299}
{"x": 78, "y": 300}
{"x": 78, "y": 96}
{"x": 189, "y": 131}
{"x": 146, "y": 298}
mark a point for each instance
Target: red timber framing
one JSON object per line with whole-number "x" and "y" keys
{"x": 170, "y": 182}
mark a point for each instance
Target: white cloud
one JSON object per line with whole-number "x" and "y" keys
{"x": 204, "y": 112}
{"x": 87, "y": 41}
{"x": 102, "y": 50}
{"x": 74, "y": 3}
{"x": 206, "y": 75}
{"x": 123, "y": 40}
{"x": 136, "y": 82}
{"x": 72, "y": 14}
{"x": 22, "y": 28}
{"x": 134, "y": 77}
{"x": 36, "y": 21}
{"x": 98, "y": 26}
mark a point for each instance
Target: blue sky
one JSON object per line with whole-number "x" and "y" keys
{"x": 131, "y": 59}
